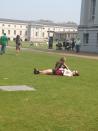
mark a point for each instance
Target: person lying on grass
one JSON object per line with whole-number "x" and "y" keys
{"x": 60, "y": 69}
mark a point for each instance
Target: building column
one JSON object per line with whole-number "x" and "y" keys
{"x": 84, "y": 12}
{"x": 96, "y": 13}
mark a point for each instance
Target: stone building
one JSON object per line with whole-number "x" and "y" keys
{"x": 36, "y": 30}
{"x": 13, "y": 28}
{"x": 88, "y": 29}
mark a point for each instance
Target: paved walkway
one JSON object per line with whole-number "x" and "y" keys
{"x": 17, "y": 88}
{"x": 63, "y": 52}
{"x": 69, "y": 53}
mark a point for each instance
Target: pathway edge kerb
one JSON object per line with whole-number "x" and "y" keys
{"x": 52, "y": 51}
{"x": 80, "y": 55}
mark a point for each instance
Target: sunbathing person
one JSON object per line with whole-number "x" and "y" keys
{"x": 60, "y": 69}
{"x": 59, "y": 64}
{"x": 60, "y": 72}
{"x": 67, "y": 72}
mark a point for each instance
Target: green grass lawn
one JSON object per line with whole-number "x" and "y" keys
{"x": 58, "y": 104}
{"x": 37, "y": 45}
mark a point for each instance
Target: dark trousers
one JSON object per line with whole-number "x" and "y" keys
{"x": 77, "y": 48}
{"x": 2, "y": 50}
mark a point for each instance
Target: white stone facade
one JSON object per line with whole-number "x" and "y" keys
{"x": 88, "y": 29}
{"x": 33, "y": 30}
{"x": 12, "y": 28}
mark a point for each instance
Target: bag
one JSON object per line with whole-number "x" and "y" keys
{"x": 59, "y": 72}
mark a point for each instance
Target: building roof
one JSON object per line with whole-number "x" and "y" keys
{"x": 13, "y": 21}
{"x": 51, "y": 23}
{"x": 40, "y": 22}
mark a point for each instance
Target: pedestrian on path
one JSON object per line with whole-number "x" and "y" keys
{"x": 18, "y": 43}
{"x": 3, "y": 43}
{"x": 77, "y": 45}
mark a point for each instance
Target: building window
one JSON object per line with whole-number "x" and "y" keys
{"x": 20, "y": 26}
{"x": 97, "y": 40}
{"x": 14, "y": 32}
{"x": 2, "y": 31}
{"x": 25, "y": 32}
{"x": 93, "y": 6}
{"x": 3, "y": 25}
{"x": 86, "y": 38}
{"x": 36, "y": 34}
{"x": 8, "y": 32}
{"x": 20, "y": 32}
{"x": 8, "y": 25}
{"x": 68, "y": 35}
{"x": 43, "y": 34}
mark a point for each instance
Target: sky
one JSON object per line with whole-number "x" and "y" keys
{"x": 55, "y": 10}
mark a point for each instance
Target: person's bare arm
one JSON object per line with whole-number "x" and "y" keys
{"x": 65, "y": 66}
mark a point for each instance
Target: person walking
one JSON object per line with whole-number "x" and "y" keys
{"x": 77, "y": 45}
{"x": 18, "y": 43}
{"x": 73, "y": 44}
{"x": 3, "y": 43}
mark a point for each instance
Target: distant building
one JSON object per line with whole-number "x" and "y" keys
{"x": 36, "y": 30}
{"x": 13, "y": 28}
{"x": 88, "y": 29}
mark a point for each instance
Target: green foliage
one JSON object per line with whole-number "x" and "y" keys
{"x": 58, "y": 104}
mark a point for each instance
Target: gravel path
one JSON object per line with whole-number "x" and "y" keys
{"x": 63, "y": 52}
{"x": 69, "y": 53}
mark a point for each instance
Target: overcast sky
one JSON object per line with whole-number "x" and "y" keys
{"x": 55, "y": 10}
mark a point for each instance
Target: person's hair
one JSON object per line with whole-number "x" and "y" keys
{"x": 17, "y": 36}
{"x": 62, "y": 59}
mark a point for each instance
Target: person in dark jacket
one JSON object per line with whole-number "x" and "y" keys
{"x": 73, "y": 45}
{"x": 18, "y": 43}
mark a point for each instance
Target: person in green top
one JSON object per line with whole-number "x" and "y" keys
{"x": 3, "y": 43}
